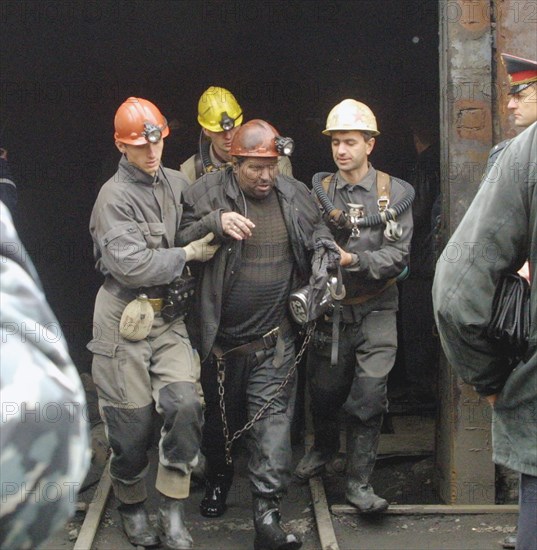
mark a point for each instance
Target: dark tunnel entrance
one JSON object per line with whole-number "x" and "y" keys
{"x": 67, "y": 66}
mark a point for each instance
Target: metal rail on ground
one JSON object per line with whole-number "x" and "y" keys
{"x": 94, "y": 513}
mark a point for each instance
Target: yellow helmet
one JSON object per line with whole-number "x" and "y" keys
{"x": 351, "y": 115}
{"x": 218, "y": 110}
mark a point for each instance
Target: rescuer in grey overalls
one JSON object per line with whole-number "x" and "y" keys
{"x": 139, "y": 365}
{"x": 352, "y": 352}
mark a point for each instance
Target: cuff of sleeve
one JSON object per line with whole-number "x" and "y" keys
{"x": 216, "y": 222}
{"x": 355, "y": 260}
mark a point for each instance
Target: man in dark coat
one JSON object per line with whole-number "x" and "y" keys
{"x": 497, "y": 235}
{"x": 270, "y": 227}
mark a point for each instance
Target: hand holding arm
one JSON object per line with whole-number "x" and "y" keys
{"x": 201, "y": 250}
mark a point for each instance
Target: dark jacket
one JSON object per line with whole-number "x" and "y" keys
{"x": 378, "y": 259}
{"x": 218, "y": 192}
{"x": 496, "y": 236}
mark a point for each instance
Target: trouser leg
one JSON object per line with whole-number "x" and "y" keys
{"x": 175, "y": 373}
{"x": 120, "y": 372}
{"x": 219, "y": 474}
{"x": 130, "y": 376}
{"x": 366, "y": 404}
{"x": 269, "y": 439}
{"x": 328, "y": 386}
{"x": 270, "y": 446}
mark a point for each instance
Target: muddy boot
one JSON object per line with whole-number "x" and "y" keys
{"x": 362, "y": 444}
{"x": 509, "y": 541}
{"x": 171, "y": 521}
{"x": 136, "y": 525}
{"x": 269, "y": 534}
{"x": 326, "y": 447}
{"x": 313, "y": 463}
{"x": 217, "y": 486}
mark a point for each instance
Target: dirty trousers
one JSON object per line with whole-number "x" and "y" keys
{"x": 160, "y": 372}
{"x": 249, "y": 383}
{"x": 358, "y": 383}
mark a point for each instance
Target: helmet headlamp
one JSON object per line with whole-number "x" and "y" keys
{"x": 284, "y": 145}
{"x": 227, "y": 123}
{"x": 153, "y": 133}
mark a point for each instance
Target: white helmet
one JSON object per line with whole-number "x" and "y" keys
{"x": 351, "y": 115}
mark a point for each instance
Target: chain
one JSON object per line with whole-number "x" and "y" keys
{"x": 221, "y": 375}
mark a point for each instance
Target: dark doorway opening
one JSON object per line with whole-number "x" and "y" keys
{"x": 66, "y": 66}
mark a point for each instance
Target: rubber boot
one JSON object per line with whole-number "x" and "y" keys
{"x": 269, "y": 534}
{"x": 171, "y": 522}
{"x": 313, "y": 463}
{"x": 136, "y": 524}
{"x": 217, "y": 486}
{"x": 362, "y": 445}
{"x": 326, "y": 446}
{"x": 509, "y": 541}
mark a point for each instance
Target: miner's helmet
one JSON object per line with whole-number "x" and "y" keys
{"x": 522, "y": 72}
{"x": 257, "y": 138}
{"x": 138, "y": 121}
{"x": 218, "y": 110}
{"x": 351, "y": 115}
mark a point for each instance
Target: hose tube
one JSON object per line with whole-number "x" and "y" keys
{"x": 374, "y": 219}
{"x": 204, "y": 146}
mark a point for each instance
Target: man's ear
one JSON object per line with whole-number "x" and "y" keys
{"x": 121, "y": 146}
{"x": 370, "y": 146}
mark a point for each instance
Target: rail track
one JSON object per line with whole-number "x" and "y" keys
{"x": 323, "y": 514}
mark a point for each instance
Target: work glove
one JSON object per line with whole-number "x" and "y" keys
{"x": 201, "y": 250}
{"x": 324, "y": 265}
{"x": 328, "y": 252}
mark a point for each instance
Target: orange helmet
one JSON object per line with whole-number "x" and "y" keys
{"x": 139, "y": 121}
{"x": 258, "y": 138}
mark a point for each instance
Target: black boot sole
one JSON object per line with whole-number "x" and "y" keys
{"x": 149, "y": 544}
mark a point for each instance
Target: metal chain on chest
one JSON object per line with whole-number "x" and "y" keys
{"x": 221, "y": 374}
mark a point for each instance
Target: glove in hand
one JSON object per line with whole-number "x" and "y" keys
{"x": 325, "y": 263}
{"x": 328, "y": 251}
{"x": 201, "y": 250}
